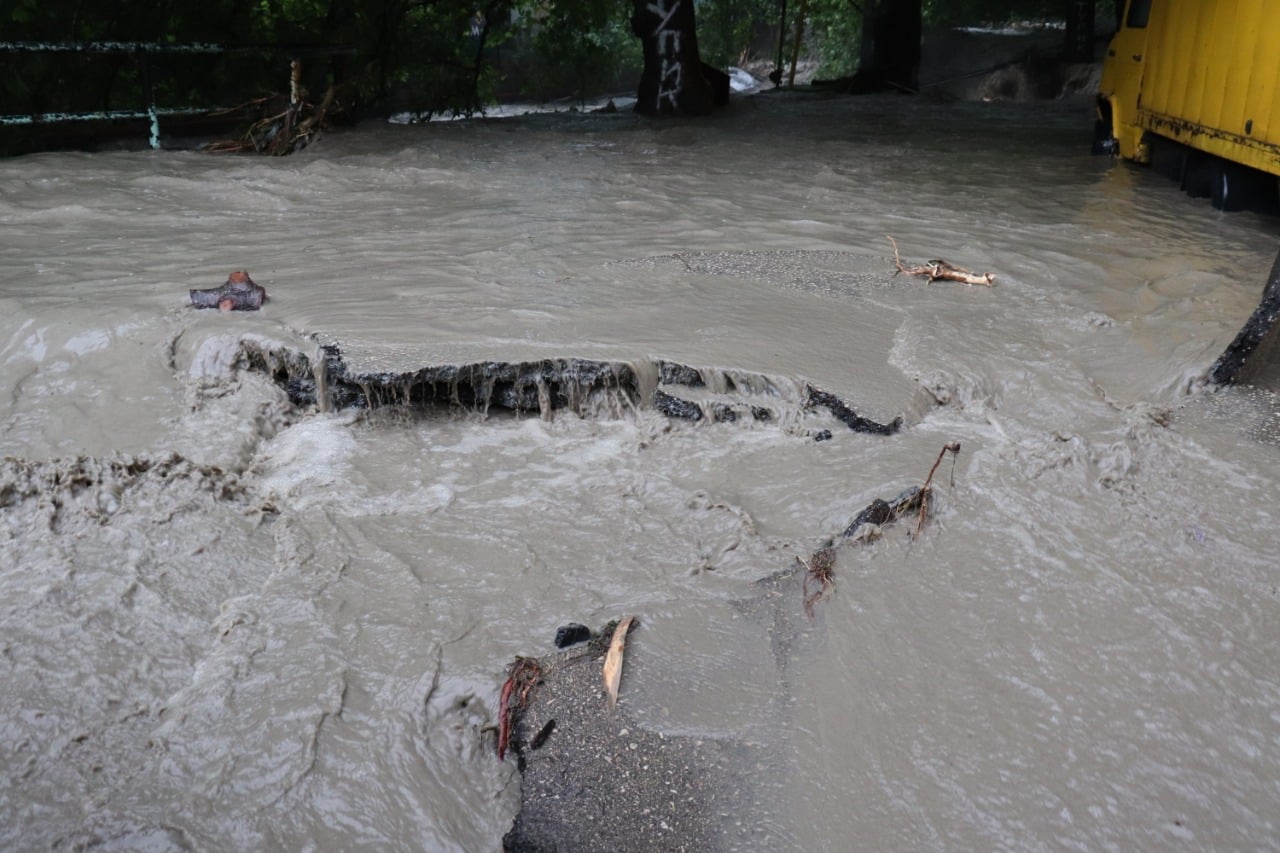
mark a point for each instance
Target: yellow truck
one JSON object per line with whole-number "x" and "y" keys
{"x": 1201, "y": 78}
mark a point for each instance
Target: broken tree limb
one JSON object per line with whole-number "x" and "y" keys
{"x": 818, "y": 571}
{"x": 613, "y": 659}
{"x": 926, "y": 491}
{"x": 296, "y": 126}
{"x": 937, "y": 270}
{"x": 865, "y": 527}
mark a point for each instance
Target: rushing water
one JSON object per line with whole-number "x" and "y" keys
{"x": 227, "y": 623}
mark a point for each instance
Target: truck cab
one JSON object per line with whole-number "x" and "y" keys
{"x": 1200, "y": 83}
{"x": 1118, "y": 93}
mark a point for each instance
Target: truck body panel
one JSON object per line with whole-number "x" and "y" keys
{"x": 1203, "y": 73}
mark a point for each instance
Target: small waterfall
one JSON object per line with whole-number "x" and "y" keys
{"x": 585, "y": 387}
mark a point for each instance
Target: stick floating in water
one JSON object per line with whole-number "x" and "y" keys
{"x": 942, "y": 271}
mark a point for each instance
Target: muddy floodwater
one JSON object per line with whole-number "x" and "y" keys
{"x": 230, "y": 621}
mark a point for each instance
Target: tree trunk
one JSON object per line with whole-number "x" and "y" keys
{"x": 1079, "y": 32}
{"x": 672, "y": 82}
{"x": 890, "y": 59}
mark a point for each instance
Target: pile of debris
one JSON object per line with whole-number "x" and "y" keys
{"x": 290, "y": 125}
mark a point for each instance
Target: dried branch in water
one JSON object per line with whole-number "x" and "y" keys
{"x": 942, "y": 271}
{"x": 819, "y": 577}
{"x": 279, "y": 134}
{"x": 818, "y": 572}
{"x": 926, "y": 491}
{"x": 613, "y": 660}
{"x": 291, "y": 130}
{"x": 522, "y": 677}
{"x": 819, "y": 569}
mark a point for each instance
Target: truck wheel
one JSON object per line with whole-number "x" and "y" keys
{"x": 1103, "y": 141}
{"x": 1196, "y": 175}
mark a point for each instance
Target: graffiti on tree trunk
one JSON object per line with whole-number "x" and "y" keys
{"x": 668, "y": 40}
{"x": 674, "y": 80}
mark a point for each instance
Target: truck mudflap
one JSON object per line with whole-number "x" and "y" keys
{"x": 1255, "y": 341}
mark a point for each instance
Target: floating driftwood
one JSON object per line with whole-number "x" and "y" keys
{"x": 819, "y": 569}
{"x": 942, "y": 271}
{"x": 926, "y": 491}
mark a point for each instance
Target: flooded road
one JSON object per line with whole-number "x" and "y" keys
{"x": 228, "y": 622}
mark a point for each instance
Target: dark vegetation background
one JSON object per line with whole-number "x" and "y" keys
{"x": 433, "y": 57}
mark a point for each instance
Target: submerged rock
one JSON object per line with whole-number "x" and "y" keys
{"x": 572, "y": 634}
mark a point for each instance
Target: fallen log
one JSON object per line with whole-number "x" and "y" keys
{"x": 937, "y": 270}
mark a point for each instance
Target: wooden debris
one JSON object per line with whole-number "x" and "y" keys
{"x": 942, "y": 271}
{"x": 613, "y": 660}
{"x": 523, "y": 675}
{"x": 818, "y": 571}
{"x": 926, "y": 491}
{"x": 283, "y": 133}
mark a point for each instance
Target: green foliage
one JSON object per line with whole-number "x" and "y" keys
{"x": 420, "y": 54}
{"x": 836, "y": 31}
{"x": 423, "y": 45}
{"x": 435, "y": 56}
{"x": 835, "y": 26}
{"x": 22, "y": 11}
{"x": 582, "y": 44}
{"x": 727, "y": 28}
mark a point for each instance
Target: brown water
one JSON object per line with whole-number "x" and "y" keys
{"x": 229, "y": 624}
